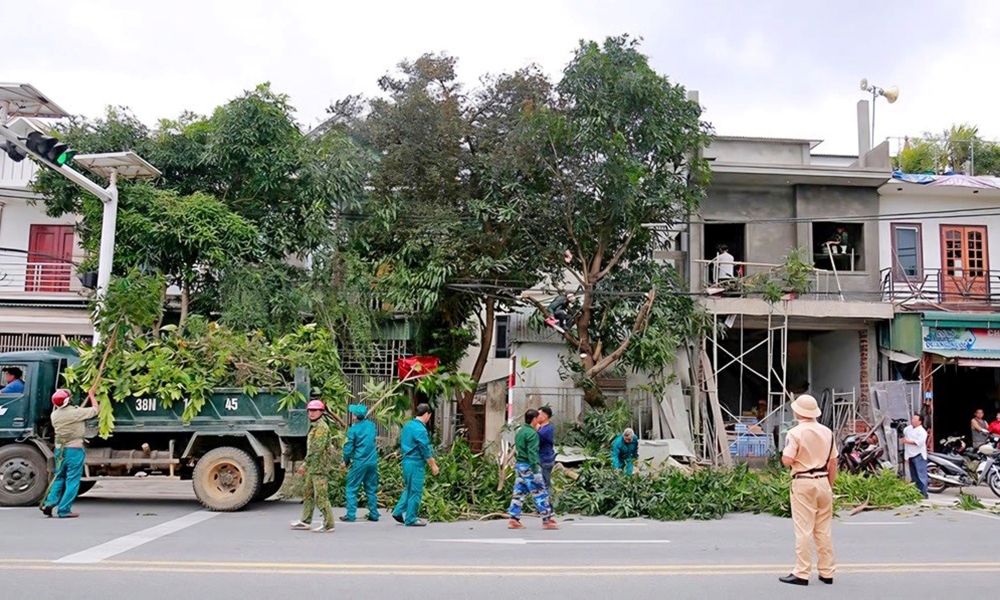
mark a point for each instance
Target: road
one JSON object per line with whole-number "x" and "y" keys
{"x": 158, "y": 543}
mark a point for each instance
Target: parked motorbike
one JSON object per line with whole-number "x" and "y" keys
{"x": 859, "y": 456}
{"x": 957, "y": 468}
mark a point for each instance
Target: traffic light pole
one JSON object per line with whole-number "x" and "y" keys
{"x": 109, "y": 196}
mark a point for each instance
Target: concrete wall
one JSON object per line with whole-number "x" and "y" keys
{"x": 835, "y": 203}
{"x": 835, "y": 362}
{"x": 756, "y": 152}
{"x": 765, "y": 242}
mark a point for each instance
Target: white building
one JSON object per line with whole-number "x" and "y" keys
{"x": 42, "y": 302}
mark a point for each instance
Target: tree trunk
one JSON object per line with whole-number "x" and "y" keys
{"x": 475, "y": 427}
{"x": 594, "y": 396}
{"x": 185, "y": 303}
{"x": 163, "y": 310}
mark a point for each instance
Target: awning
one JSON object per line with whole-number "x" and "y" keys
{"x": 968, "y": 358}
{"x": 961, "y": 320}
{"x": 900, "y": 357}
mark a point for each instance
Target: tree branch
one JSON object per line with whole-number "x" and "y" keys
{"x": 545, "y": 312}
{"x": 617, "y": 256}
{"x": 640, "y": 323}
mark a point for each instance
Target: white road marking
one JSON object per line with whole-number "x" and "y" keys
{"x": 605, "y": 524}
{"x": 878, "y": 523}
{"x": 976, "y": 513}
{"x": 134, "y": 540}
{"x": 521, "y": 542}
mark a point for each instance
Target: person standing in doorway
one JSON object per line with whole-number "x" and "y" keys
{"x": 625, "y": 451}
{"x": 528, "y": 475}
{"x": 415, "y": 444}
{"x": 69, "y": 423}
{"x": 319, "y": 460}
{"x": 361, "y": 459}
{"x": 724, "y": 264}
{"x": 980, "y": 429}
{"x": 915, "y": 452}
{"x": 546, "y": 445}
{"x": 811, "y": 455}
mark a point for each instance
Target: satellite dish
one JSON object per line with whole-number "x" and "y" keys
{"x": 864, "y": 85}
{"x": 891, "y": 94}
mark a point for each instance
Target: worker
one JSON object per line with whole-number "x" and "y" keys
{"x": 415, "y": 445}
{"x": 14, "y": 379}
{"x": 361, "y": 458}
{"x": 546, "y": 445}
{"x": 625, "y": 451}
{"x": 528, "y": 475}
{"x": 812, "y": 456}
{"x": 319, "y": 459}
{"x": 559, "y": 308}
{"x": 70, "y": 427}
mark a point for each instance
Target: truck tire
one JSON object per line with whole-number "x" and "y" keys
{"x": 24, "y": 475}
{"x": 226, "y": 479}
{"x": 269, "y": 489}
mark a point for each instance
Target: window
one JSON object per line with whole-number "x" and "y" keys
{"x": 501, "y": 337}
{"x": 838, "y": 245}
{"x": 907, "y": 252}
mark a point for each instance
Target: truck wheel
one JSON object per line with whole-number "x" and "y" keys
{"x": 269, "y": 489}
{"x": 23, "y": 475}
{"x": 226, "y": 479}
{"x": 86, "y": 486}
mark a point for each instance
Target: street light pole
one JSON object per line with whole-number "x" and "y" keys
{"x": 106, "y": 257}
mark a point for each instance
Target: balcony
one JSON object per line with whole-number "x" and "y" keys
{"x": 968, "y": 287}
{"x": 769, "y": 281}
{"x": 22, "y": 279}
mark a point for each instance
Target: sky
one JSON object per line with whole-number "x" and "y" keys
{"x": 773, "y": 68}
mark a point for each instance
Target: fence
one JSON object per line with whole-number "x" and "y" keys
{"x": 568, "y": 405}
{"x": 16, "y": 342}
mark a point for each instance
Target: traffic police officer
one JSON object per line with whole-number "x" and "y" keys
{"x": 812, "y": 457}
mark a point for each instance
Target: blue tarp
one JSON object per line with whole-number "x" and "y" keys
{"x": 913, "y": 177}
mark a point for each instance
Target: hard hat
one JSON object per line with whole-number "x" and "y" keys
{"x": 315, "y": 405}
{"x": 61, "y": 397}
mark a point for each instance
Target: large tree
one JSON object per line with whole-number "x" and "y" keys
{"x": 623, "y": 151}
{"x": 455, "y": 227}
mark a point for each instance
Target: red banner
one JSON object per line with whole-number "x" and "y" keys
{"x": 417, "y": 366}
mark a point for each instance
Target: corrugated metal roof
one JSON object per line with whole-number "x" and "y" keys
{"x": 523, "y": 332}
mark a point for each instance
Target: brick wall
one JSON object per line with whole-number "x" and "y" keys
{"x": 864, "y": 406}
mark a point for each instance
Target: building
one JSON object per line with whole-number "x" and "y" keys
{"x": 937, "y": 233}
{"x": 42, "y": 302}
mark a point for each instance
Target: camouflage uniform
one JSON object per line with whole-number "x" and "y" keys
{"x": 319, "y": 457}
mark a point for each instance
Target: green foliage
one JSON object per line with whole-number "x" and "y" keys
{"x": 599, "y": 428}
{"x": 882, "y": 490}
{"x": 969, "y": 502}
{"x": 958, "y": 149}
{"x": 793, "y": 276}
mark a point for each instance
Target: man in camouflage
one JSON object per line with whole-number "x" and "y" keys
{"x": 319, "y": 458}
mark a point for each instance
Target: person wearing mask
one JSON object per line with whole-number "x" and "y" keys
{"x": 14, "y": 379}
{"x": 980, "y": 429}
{"x": 915, "y": 452}
{"x": 361, "y": 459}
{"x": 69, "y": 424}
{"x": 811, "y": 455}
{"x": 994, "y": 427}
{"x": 528, "y": 475}
{"x": 625, "y": 451}
{"x": 415, "y": 445}
{"x": 319, "y": 459}
{"x": 546, "y": 445}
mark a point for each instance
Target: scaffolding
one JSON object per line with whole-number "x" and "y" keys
{"x": 773, "y": 376}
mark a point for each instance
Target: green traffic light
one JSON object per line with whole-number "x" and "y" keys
{"x": 65, "y": 158}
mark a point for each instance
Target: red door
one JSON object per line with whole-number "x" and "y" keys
{"x": 965, "y": 258}
{"x": 50, "y": 252}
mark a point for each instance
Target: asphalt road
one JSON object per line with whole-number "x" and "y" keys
{"x": 153, "y": 541}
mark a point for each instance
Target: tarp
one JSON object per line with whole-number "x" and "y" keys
{"x": 949, "y": 180}
{"x": 900, "y": 357}
{"x": 913, "y": 177}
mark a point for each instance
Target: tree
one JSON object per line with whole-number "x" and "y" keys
{"x": 455, "y": 227}
{"x": 958, "y": 149}
{"x": 622, "y": 149}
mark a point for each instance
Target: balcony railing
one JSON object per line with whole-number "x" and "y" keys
{"x": 23, "y": 278}
{"x": 941, "y": 286}
{"x": 748, "y": 278}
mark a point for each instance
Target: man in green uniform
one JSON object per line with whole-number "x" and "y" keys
{"x": 69, "y": 424}
{"x": 361, "y": 458}
{"x": 529, "y": 476}
{"x": 319, "y": 458}
{"x": 415, "y": 445}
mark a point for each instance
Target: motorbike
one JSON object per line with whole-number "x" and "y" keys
{"x": 957, "y": 467}
{"x": 859, "y": 456}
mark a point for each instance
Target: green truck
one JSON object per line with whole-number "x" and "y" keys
{"x": 236, "y": 450}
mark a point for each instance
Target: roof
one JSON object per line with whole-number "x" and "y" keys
{"x": 522, "y": 331}
{"x": 961, "y": 319}
{"x": 750, "y": 138}
{"x": 58, "y": 353}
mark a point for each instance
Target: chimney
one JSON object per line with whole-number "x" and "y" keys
{"x": 864, "y": 131}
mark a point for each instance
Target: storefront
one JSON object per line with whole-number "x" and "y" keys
{"x": 956, "y": 358}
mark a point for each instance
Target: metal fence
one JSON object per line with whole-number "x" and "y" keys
{"x": 568, "y": 405}
{"x": 16, "y": 342}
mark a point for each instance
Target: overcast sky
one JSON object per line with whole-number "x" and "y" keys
{"x": 777, "y": 68}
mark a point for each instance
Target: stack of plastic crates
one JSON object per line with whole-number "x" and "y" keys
{"x": 749, "y": 445}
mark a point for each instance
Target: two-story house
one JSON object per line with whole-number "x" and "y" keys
{"x": 937, "y": 234}
{"x": 42, "y": 303}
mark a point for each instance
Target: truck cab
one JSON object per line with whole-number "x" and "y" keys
{"x": 235, "y": 451}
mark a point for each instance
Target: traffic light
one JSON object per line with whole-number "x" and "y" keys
{"x": 15, "y": 153}
{"x": 50, "y": 149}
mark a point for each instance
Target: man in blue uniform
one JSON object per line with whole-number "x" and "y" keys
{"x": 415, "y": 445}
{"x": 361, "y": 458}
